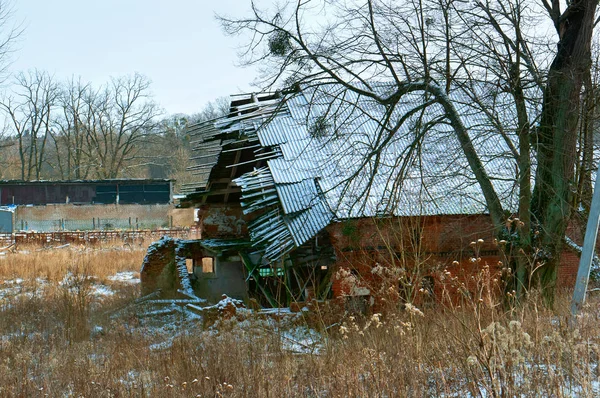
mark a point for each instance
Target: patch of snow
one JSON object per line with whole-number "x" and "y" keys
{"x": 70, "y": 280}
{"x": 229, "y": 301}
{"x": 19, "y": 288}
{"x": 102, "y": 290}
{"x": 161, "y": 346}
{"x": 125, "y": 277}
{"x": 162, "y": 311}
{"x": 301, "y": 340}
{"x": 285, "y": 310}
{"x": 16, "y": 281}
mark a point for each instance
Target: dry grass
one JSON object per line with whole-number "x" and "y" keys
{"x": 31, "y": 262}
{"x": 63, "y": 340}
{"x": 439, "y": 354}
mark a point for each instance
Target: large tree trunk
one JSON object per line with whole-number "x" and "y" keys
{"x": 557, "y": 138}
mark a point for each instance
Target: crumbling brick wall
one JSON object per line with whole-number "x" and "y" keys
{"x": 222, "y": 221}
{"x": 164, "y": 268}
{"x": 439, "y": 247}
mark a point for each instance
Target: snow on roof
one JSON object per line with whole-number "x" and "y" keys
{"x": 331, "y": 158}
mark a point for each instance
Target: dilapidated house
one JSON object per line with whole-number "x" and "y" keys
{"x": 300, "y": 193}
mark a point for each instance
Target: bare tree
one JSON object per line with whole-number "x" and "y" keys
{"x": 72, "y": 126}
{"x": 121, "y": 116}
{"x": 167, "y": 153}
{"x": 357, "y": 44}
{"x": 558, "y": 128}
{"x": 29, "y": 110}
{"x": 9, "y": 33}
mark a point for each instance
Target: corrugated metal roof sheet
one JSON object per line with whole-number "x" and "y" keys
{"x": 357, "y": 178}
{"x": 298, "y": 196}
{"x": 306, "y": 224}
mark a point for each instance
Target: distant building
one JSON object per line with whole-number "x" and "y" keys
{"x": 111, "y": 191}
{"x": 82, "y": 205}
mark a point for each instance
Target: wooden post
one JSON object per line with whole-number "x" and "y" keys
{"x": 587, "y": 253}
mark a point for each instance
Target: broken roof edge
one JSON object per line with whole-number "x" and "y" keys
{"x": 218, "y": 245}
{"x": 277, "y": 231}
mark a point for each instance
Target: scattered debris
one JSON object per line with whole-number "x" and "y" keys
{"x": 227, "y": 308}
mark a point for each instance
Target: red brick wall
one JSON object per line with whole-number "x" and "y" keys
{"x": 222, "y": 221}
{"x": 567, "y": 272}
{"x": 438, "y": 246}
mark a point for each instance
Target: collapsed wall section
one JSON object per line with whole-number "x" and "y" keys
{"x": 164, "y": 268}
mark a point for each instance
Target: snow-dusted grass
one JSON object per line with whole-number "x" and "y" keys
{"x": 68, "y": 346}
{"x": 81, "y": 334}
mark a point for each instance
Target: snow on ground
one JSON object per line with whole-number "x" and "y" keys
{"x": 19, "y": 288}
{"x": 125, "y": 277}
{"x": 11, "y": 289}
{"x": 102, "y": 291}
{"x": 301, "y": 340}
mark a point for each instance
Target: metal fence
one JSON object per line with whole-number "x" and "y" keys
{"x": 93, "y": 224}
{"x": 98, "y": 236}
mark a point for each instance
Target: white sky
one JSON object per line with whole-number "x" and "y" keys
{"x": 178, "y": 44}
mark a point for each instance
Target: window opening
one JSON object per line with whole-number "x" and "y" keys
{"x": 208, "y": 265}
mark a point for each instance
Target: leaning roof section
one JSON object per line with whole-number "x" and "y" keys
{"x": 328, "y": 157}
{"x": 212, "y": 140}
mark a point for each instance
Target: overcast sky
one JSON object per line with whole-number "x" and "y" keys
{"x": 178, "y": 44}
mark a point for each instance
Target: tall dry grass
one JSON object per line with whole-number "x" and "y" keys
{"x": 530, "y": 352}
{"x": 31, "y": 262}
{"x": 63, "y": 340}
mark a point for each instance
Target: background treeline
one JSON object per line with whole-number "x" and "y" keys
{"x": 60, "y": 130}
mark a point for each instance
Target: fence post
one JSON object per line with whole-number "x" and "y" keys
{"x": 93, "y": 223}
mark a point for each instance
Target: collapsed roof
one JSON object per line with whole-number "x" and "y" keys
{"x": 324, "y": 154}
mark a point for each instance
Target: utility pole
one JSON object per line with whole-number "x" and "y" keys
{"x": 587, "y": 253}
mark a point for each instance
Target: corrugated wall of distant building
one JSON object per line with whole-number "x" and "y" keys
{"x": 125, "y": 204}
{"x": 127, "y": 192}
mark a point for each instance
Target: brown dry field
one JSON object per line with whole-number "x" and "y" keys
{"x": 31, "y": 262}
{"x": 65, "y": 337}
